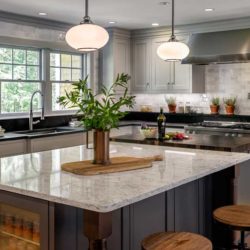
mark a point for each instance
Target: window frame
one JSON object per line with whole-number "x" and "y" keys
{"x": 45, "y": 82}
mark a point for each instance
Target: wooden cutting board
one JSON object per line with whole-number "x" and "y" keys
{"x": 118, "y": 164}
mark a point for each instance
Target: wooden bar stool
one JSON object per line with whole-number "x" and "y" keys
{"x": 236, "y": 217}
{"x": 176, "y": 241}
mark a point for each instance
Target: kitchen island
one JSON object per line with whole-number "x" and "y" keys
{"x": 174, "y": 194}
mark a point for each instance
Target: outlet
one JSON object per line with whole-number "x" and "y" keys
{"x": 248, "y": 96}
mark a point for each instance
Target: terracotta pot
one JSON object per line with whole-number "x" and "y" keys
{"x": 214, "y": 109}
{"x": 101, "y": 147}
{"x": 230, "y": 110}
{"x": 172, "y": 108}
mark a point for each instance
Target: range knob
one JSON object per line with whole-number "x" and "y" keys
{"x": 226, "y": 134}
{"x": 234, "y": 135}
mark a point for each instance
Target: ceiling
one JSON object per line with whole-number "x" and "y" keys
{"x": 131, "y": 14}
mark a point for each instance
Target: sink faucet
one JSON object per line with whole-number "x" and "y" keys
{"x": 31, "y": 122}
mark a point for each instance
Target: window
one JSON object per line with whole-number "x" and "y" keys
{"x": 20, "y": 72}
{"x": 64, "y": 69}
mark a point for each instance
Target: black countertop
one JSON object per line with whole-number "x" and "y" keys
{"x": 199, "y": 141}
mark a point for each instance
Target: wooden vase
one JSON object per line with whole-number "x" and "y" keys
{"x": 172, "y": 108}
{"x": 101, "y": 147}
{"x": 230, "y": 110}
{"x": 214, "y": 109}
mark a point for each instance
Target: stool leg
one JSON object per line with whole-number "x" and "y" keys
{"x": 242, "y": 241}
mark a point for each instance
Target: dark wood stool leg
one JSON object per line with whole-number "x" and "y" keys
{"x": 97, "y": 227}
{"x": 242, "y": 241}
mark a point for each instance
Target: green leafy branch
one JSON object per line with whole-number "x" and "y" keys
{"x": 103, "y": 111}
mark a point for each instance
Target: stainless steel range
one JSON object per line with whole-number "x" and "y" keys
{"x": 234, "y": 129}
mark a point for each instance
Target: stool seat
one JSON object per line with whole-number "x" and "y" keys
{"x": 176, "y": 241}
{"x": 236, "y": 216}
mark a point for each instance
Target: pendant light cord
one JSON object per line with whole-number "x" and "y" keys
{"x": 173, "y": 35}
{"x": 86, "y": 18}
{"x": 86, "y": 8}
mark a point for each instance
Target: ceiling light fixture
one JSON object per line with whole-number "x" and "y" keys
{"x": 164, "y": 3}
{"x": 42, "y": 14}
{"x": 112, "y": 22}
{"x": 173, "y": 50}
{"x": 155, "y": 24}
{"x": 209, "y": 9}
{"x": 87, "y": 36}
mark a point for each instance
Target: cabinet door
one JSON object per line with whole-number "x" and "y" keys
{"x": 16, "y": 147}
{"x": 181, "y": 81}
{"x": 161, "y": 70}
{"x": 24, "y": 223}
{"x": 141, "y": 66}
{"x": 122, "y": 59}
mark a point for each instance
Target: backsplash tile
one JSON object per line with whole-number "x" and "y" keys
{"x": 222, "y": 80}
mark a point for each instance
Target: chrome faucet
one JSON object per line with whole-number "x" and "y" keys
{"x": 31, "y": 122}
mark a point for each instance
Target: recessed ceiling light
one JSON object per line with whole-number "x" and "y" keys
{"x": 42, "y": 14}
{"x": 209, "y": 9}
{"x": 155, "y": 24}
{"x": 164, "y": 3}
{"x": 112, "y": 22}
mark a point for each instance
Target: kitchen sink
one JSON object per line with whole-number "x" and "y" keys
{"x": 45, "y": 131}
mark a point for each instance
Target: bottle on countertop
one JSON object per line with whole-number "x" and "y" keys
{"x": 161, "y": 119}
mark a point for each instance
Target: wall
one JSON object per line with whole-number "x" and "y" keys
{"x": 222, "y": 80}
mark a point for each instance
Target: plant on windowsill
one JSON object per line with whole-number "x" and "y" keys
{"x": 171, "y": 101}
{"x": 215, "y": 105}
{"x": 230, "y": 104}
{"x": 100, "y": 112}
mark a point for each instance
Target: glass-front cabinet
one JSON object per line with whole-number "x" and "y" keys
{"x": 23, "y": 223}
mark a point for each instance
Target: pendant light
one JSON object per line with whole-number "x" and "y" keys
{"x": 87, "y": 36}
{"x": 173, "y": 50}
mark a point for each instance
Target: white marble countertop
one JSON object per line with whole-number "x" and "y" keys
{"x": 38, "y": 175}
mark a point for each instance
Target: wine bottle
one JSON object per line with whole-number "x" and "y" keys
{"x": 161, "y": 119}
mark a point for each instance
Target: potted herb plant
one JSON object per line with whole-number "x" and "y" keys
{"x": 171, "y": 101}
{"x": 215, "y": 105}
{"x": 230, "y": 104}
{"x": 100, "y": 112}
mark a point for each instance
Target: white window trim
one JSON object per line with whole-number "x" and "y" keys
{"x": 46, "y": 83}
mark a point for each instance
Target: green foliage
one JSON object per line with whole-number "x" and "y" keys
{"x": 215, "y": 101}
{"x": 171, "y": 101}
{"x": 101, "y": 112}
{"x": 231, "y": 101}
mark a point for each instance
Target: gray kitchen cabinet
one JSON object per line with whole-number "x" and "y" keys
{"x": 161, "y": 70}
{"x": 141, "y": 74}
{"x": 13, "y": 147}
{"x": 115, "y": 57}
{"x": 54, "y": 142}
{"x": 153, "y": 75}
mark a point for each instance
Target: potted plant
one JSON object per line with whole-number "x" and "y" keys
{"x": 230, "y": 104}
{"x": 100, "y": 112}
{"x": 215, "y": 105}
{"x": 171, "y": 101}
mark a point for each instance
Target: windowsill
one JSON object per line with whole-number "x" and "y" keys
{"x": 36, "y": 115}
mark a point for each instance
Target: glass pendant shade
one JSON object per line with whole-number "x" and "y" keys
{"x": 87, "y": 37}
{"x": 173, "y": 51}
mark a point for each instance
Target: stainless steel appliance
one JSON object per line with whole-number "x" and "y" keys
{"x": 234, "y": 129}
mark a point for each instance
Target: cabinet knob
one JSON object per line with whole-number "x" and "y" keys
{"x": 147, "y": 84}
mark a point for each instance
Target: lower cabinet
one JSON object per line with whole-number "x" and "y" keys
{"x": 13, "y": 147}
{"x": 24, "y": 223}
{"x": 55, "y": 142}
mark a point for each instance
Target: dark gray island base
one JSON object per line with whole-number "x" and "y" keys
{"x": 185, "y": 208}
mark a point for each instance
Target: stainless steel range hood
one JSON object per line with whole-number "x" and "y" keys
{"x": 219, "y": 47}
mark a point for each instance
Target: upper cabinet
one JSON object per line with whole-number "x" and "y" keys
{"x": 115, "y": 57}
{"x": 153, "y": 75}
{"x": 141, "y": 65}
